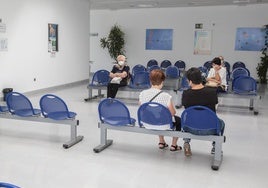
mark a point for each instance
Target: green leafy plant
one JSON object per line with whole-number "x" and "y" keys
{"x": 115, "y": 42}
{"x": 263, "y": 65}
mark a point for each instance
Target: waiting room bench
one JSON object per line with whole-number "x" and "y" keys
{"x": 170, "y": 84}
{"x": 53, "y": 109}
{"x": 74, "y": 139}
{"x": 105, "y": 142}
{"x": 254, "y": 100}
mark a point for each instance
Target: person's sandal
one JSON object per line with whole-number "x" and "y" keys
{"x": 162, "y": 145}
{"x": 175, "y": 148}
{"x": 187, "y": 150}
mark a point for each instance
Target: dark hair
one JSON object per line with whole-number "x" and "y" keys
{"x": 216, "y": 61}
{"x": 194, "y": 75}
{"x": 157, "y": 76}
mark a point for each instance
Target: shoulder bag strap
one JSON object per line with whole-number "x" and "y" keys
{"x": 155, "y": 96}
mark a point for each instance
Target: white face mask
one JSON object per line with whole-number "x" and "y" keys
{"x": 121, "y": 63}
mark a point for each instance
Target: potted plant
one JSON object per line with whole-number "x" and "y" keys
{"x": 263, "y": 65}
{"x": 115, "y": 42}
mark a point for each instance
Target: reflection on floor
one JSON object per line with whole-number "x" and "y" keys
{"x": 31, "y": 154}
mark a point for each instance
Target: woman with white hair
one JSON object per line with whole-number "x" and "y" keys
{"x": 119, "y": 76}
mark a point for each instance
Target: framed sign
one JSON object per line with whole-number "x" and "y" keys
{"x": 249, "y": 39}
{"x": 159, "y": 39}
{"x": 53, "y": 37}
{"x": 202, "y": 42}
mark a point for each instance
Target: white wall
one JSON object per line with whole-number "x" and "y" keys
{"x": 222, "y": 20}
{"x": 27, "y": 56}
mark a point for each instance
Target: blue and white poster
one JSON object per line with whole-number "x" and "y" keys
{"x": 249, "y": 39}
{"x": 159, "y": 39}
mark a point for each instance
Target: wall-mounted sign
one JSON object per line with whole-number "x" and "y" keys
{"x": 199, "y": 26}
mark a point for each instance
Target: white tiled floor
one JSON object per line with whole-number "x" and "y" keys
{"x": 31, "y": 154}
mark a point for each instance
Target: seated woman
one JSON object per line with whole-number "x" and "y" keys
{"x": 119, "y": 76}
{"x": 217, "y": 76}
{"x": 154, "y": 94}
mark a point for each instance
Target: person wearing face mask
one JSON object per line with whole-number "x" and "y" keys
{"x": 217, "y": 75}
{"x": 119, "y": 76}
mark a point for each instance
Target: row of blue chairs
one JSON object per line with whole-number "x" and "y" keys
{"x": 237, "y": 64}
{"x": 166, "y": 63}
{"x": 199, "y": 118}
{"x": 239, "y": 71}
{"x": 138, "y": 79}
{"x": 51, "y": 106}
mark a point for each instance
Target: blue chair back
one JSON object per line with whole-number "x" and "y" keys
{"x": 154, "y": 114}
{"x": 140, "y": 80}
{"x": 165, "y": 64}
{"x": 184, "y": 84}
{"x": 204, "y": 71}
{"x": 238, "y": 64}
{"x": 114, "y": 112}
{"x": 7, "y": 185}
{"x": 55, "y": 108}
{"x": 245, "y": 85}
{"x": 200, "y": 120}
{"x": 20, "y": 105}
{"x": 153, "y": 67}
{"x": 180, "y": 65}
{"x": 172, "y": 72}
{"x": 228, "y": 69}
{"x": 208, "y": 65}
{"x": 239, "y": 71}
{"x": 151, "y": 63}
{"x": 100, "y": 77}
{"x": 138, "y": 68}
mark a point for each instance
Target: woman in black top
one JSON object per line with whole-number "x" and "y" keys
{"x": 119, "y": 76}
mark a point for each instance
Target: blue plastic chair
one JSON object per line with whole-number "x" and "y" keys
{"x": 153, "y": 67}
{"x": 238, "y": 64}
{"x": 172, "y": 72}
{"x": 165, "y": 64}
{"x": 151, "y": 63}
{"x": 239, "y": 71}
{"x": 200, "y": 120}
{"x": 245, "y": 85}
{"x": 140, "y": 80}
{"x": 204, "y": 71}
{"x": 208, "y": 65}
{"x": 154, "y": 114}
{"x": 138, "y": 68}
{"x": 228, "y": 69}
{"x": 114, "y": 112}
{"x": 184, "y": 84}
{"x": 180, "y": 65}
{"x": 100, "y": 78}
{"x": 7, "y": 185}
{"x": 54, "y": 107}
{"x": 18, "y": 104}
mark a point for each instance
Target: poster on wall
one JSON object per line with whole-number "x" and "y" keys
{"x": 202, "y": 42}
{"x": 3, "y": 44}
{"x": 52, "y": 37}
{"x": 159, "y": 39}
{"x": 249, "y": 39}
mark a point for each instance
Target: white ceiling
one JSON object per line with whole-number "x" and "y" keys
{"x": 134, "y": 4}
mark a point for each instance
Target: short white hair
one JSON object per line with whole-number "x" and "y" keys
{"x": 120, "y": 57}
